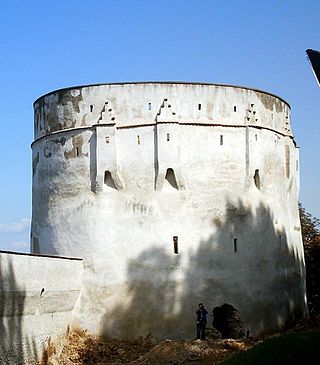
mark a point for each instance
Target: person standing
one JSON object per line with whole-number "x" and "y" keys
{"x": 201, "y": 322}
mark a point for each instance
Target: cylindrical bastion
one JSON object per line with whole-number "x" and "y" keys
{"x": 174, "y": 194}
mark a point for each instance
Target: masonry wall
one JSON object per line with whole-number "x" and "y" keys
{"x": 37, "y": 296}
{"x": 120, "y": 170}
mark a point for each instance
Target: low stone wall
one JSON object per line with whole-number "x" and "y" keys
{"x": 37, "y": 296}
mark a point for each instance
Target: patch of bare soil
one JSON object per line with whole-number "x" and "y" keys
{"x": 83, "y": 349}
{"x": 194, "y": 352}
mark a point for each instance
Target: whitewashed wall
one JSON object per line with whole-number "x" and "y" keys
{"x": 37, "y": 296}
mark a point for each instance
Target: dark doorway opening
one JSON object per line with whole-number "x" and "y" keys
{"x": 226, "y": 319}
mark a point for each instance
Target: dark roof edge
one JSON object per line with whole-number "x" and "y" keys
{"x": 161, "y": 82}
{"x": 40, "y": 255}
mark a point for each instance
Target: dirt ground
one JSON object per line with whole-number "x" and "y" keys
{"x": 80, "y": 348}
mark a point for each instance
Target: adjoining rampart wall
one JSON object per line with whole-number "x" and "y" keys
{"x": 37, "y": 296}
{"x": 173, "y": 194}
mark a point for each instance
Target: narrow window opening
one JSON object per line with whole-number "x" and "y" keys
{"x": 256, "y": 136}
{"x": 108, "y": 180}
{"x": 234, "y": 108}
{"x": 168, "y": 137}
{"x": 138, "y": 139}
{"x": 171, "y": 179}
{"x": 107, "y": 139}
{"x": 252, "y": 105}
{"x": 175, "y": 245}
{"x": 256, "y": 179}
{"x": 235, "y": 245}
{"x": 169, "y": 106}
{"x": 149, "y": 106}
{"x": 199, "y": 106}
{"x": 221, "y": 140}
{"x": 91, "y": 108}
{"x": 271, "y": 115}
{"x": 77, "y": 152}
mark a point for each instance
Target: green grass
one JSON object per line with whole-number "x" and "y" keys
{"x": 292, "y": 349}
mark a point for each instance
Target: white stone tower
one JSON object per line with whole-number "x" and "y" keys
{"x": 173, "y": 193}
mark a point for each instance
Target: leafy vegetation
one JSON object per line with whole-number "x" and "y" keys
{"x": 310, "y": 227}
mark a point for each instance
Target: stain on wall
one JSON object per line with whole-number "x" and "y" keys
{"x": 77, "y": 143}
{"x": 35, "y": 163}
{"x": 270, "y": 102}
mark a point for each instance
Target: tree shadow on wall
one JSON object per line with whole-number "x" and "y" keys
{"x": 256, "y": 269}
{"x": 15, "y": 348}
{"x": 151, "y": 296}
{"x": 247, "y": 262}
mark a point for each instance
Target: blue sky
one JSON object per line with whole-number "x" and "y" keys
{"x": 47, "y": 45}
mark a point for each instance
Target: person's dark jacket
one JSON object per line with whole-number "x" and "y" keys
{"x": 202, "y": 315}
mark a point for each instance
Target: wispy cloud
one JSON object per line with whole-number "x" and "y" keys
{"x": 17, "y": 227}
{"x": 20, "y": 245}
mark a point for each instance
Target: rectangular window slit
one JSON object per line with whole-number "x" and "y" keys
{"x": 235, "y": 245}
{"x": 221, "y": 140}
{"x": 91, "y": 108}
{"x": 107, "y": 139}
{"x": 77, "y": 151}
{"x": 199, "y": 106}
{"x": 175, "y": 245}
{"x": 149, "y": 106}
{"x": 138, "y": 139}
{"x": 168, "y": 137}
{"x": 234, "y": 108}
